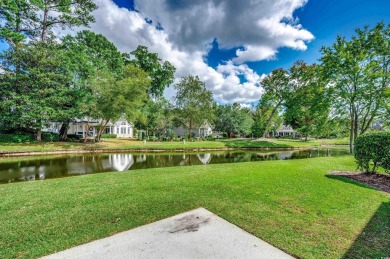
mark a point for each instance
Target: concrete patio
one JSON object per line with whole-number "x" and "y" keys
{"x": 194, "y": 234}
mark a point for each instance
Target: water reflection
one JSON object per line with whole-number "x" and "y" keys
{"x": 28, "y": 169}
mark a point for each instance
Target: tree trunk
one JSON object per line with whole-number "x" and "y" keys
{"x": 86, "y": 133}
{"x": 101, "y": 130}
{"x": 189, "y": 131}
{"x": 44, "y": 23}
{"x": 355, "y": 126}
{"x": 64, "y": 130}
{"x": 39, "y": 135}
{"x": 265, "y": 133}
{"x": 351, "y": 131}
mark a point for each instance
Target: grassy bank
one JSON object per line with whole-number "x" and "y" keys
{"x": 138, "y": 145}
{"x": 292, "y": 204}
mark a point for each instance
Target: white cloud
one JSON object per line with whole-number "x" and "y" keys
{"x": 190, "y": 26}
{"x": 261, "y": 27}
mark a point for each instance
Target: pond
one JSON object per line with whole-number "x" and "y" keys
{"x": 41, "y": 168}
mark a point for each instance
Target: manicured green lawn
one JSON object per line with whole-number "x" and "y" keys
{"x": 135, "y": 144}
{"x": 291, "y": 204}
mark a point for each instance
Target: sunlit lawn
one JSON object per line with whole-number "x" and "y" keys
{"x": 168, "y": 145}
{"x": 291, "y": 204}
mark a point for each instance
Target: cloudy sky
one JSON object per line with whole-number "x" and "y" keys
{"x": 232, "y": 44}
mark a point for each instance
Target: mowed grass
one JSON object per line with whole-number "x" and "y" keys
{"x": 174, "y": 145}
{"x": 291, "y": 204}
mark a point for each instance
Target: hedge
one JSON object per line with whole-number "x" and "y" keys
{"x": 50, "y": 137}
{"x": 22, "y": 137}
{"x": 16, "y": 138}
{"x": 73, "y": 138}
{"x": 371, "y": 151}
{"x": 109, "y": 135}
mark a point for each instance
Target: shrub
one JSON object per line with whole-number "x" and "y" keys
{"x": 73, "y": 138}
{"x": 16, "y": 138}
{"x": 22, "y": 137}
{"x": 373, "y": 150}
{"x": 109, "y": 135}
{"x": 50, "y": 137}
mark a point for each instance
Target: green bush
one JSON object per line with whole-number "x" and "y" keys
{"x": 22, "y": 137}
{"x": 73, "y": 138}
{"x": 372, "y": 151}
{"x": 50, "y": 137}
{"x": 19, "y": 137}
{"x": 109, "y": 135}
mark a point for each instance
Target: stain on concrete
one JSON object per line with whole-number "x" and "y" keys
{"x": 189, "y": 223}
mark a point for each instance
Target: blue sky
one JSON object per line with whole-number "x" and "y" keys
{"x": 325, "y": 19}
{"x": 232, "y": 44}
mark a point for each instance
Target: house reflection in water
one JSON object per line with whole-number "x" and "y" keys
{"x": 61, "y": 166}
{"x": 105, "y": 163}
{"x": 121, "y": 162}
{"x": 204, "y": 158}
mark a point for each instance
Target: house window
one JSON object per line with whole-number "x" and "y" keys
{"x": 117, "y": 130}
{"x": 123, "y": 130}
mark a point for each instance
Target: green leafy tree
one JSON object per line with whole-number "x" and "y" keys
{"x": 19, "y": 20}
{"x": 166, "y": 118}
{"x": 37, "y": 93}
{"x": 261, "y": 116}
{"x": 156, "y": 115}
{"x": 64, "y": 14}
{"x": 194, "y": 103}
{"x": 232, "y": 118}
{"x": 247, "y": 121}
{"x": 94, "y": 52}
{"x": 308, "y": 105}
{"x": 160, "y": 72}
{"x": 37, "y": 18}
{"x": 24, "y": 78}
{"x": 359, "y": 70}
{"x": 114, "y": 98}
{"x": 276, "y": 92}
{"x": 89, "y": 53}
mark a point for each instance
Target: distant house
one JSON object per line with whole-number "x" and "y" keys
{"x": 122, "y": 128}
{"x": 284, "y": 131}
{"x": 203, "y": 131}
{"x": 82, "y": 127}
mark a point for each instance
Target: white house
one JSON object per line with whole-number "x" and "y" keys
{"x": 122, "y": 128}
{"x": 82, "y": 127}
{"x": 284, "y": 130}
{"x": 203, "y": 131}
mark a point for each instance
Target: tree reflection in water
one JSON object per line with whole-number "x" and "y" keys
{"x": 61, "y": 166}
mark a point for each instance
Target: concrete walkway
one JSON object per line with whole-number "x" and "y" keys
{"x": 193, "y": 234}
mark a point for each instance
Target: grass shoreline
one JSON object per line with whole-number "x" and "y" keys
{"x": 125, "y": 145}
{"x": 292, "y": 204}
{"x": 150, "y": 150}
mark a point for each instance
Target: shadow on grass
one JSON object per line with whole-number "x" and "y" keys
{"x": 248, "y": 143}
{"x": 374, "y": 240}
{"x": 350, "y": 181}
{"x": 48, "y": 146}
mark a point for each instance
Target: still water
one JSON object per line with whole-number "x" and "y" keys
{"x": 41, "y": 168}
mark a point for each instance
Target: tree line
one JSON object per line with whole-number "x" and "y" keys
{"x": 46, "y": 78}
{"x": 345, "y": 93}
